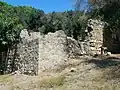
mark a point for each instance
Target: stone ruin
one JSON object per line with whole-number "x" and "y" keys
{"x": 37, "y": 53}
{"x": 94, "y": 31}
{"x": 28, "y": 51}
{"x": 55, "y": 49}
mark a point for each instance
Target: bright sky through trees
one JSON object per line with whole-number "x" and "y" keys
{"x": 46, "y": 5}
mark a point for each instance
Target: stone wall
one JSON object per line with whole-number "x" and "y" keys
{"x": 55, "y": 49}
{"x": 77, "y": 48}
{"x": 52, "y": 51}
{"x": 95, "y": 35}
{"x": 28, "y": 51}
{"x": 37, "y": 53}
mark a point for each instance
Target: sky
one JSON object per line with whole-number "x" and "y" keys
{"x": 46, "y": 5}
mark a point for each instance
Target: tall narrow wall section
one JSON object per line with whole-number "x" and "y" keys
{"x": 95, "y": 30}
{"x": 28, "y": 51}
{"x": 52, "y": 51}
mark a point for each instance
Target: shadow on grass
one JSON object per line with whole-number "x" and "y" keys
{"x": 105, "y": 63}
{"x": 110, "y": 67}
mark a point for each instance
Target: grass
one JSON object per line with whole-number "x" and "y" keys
{"x": 104, "y": 86}
{"x": 7, "y": 82}
{"x": 6, "y": 78}
{"x": 106, "y": 77}
{"x": 53, "y": 81}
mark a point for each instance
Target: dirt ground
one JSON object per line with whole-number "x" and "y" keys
{"x": 82, "y": 73}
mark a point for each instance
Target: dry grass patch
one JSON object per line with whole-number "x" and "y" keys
{"x": 107, "y": 80}
{"x": 52, "y": 81}
{"x": 6, "y": 78}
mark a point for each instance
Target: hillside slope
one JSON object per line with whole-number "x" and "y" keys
{"x": 83, "y": 73}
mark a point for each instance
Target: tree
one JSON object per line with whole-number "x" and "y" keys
{"x": 10, "y": 28}
{"x": 35, "y": 21}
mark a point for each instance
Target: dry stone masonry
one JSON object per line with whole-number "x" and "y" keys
{"x": 95, "y": 35}
{"x": 28, "y": 51}
{"x": 55, "y": 49}
{"x": 38, "y": 53}
{"x": 52, "y": 51}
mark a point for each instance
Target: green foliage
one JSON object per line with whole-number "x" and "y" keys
{"x": 36, "y": 20}
{"x": 29, "y": 17}
{"x": 9, "y": 24}
{"x": 109, "y": 13}
{"x": 105, "y": 10}
{"x": 13, "y": 19}
{"x": 71, "y": 22}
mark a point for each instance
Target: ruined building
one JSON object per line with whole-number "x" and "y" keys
{"x": 36, "y": 53}
{"x": 39, "y": 53}
{"x": 94, "y": 30}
